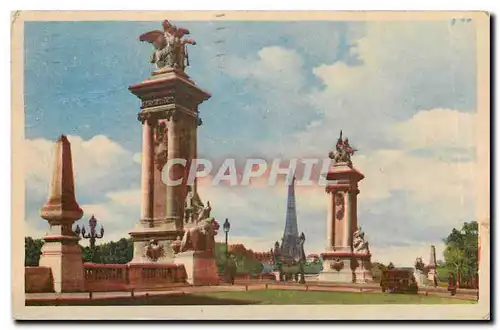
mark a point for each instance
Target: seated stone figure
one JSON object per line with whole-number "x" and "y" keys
{"x": 360, "y": 244}
{"x": 200, "y": 237}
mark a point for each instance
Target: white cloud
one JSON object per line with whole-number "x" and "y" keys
{"x": 99, "y": 164}
{"x": 273, "y": 65}
{"x": 339, "y": 76}
{"x": 438, "y": 128}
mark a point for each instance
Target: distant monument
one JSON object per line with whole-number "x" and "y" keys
{"x": 432, "y": 266}
{"x": 170, "y": 119}
{"x": 347, "y": 258}
{"x": 426, "y": 274}
{"x": 290, "y": 243}
{"x": 61, "y": 252}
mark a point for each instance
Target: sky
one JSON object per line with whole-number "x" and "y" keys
{"x": 404, "y": 92}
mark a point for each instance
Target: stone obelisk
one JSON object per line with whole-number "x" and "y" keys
{"x": 169, "y": 116}
{"x": 347, "y": 258}
{"x": 61, "y": 251}
{"x": 432, "y": 274}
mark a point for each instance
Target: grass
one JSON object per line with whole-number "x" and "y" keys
{"x": 282, "y": 297}
{"x": 271, "y": 297}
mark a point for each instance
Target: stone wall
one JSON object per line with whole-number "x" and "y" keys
{"x": 38, "y": 279}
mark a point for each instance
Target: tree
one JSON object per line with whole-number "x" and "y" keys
{"x": 244, "y": 259}
{"x": 32, "y": 251}
{"x": 461, "y": 252}
{"x": 120, "y": 252}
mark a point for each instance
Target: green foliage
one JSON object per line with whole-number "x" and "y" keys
{"x": 442, "y": 273}
{"x": 461, "y": 252}
{"x": 245, "y": 263}
{"x": 120, "y": 252}
{"x": 32, "y": 251}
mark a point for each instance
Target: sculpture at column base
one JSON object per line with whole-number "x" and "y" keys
{"x": 196, "y": 252}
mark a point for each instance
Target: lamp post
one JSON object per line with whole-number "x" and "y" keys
{"x": 302, "y": 240}
{"x": 93, "y": 234}
{"x": 226, "y": 227}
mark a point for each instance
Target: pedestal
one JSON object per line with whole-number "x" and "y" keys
{"x": 153, "y": 246}
{"x": 432, "y": 276}
{"x": 420, "y": 278}
{"x": 346, "y": 267}
{"x": 336, "y": 267}
{"x": 200, "y": 266}
{"x": 363, "y": 271}
{"x": 62, "y": 254}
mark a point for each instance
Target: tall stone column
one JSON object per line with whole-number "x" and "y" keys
{"x": 168, "y": 97}
{"x": 176, "y": 193}
{"x": 340, "y": 262}
{"x": 147, "y": 170}
{"x": 194, "y": 148}
{"x": 347, "y": 234}
{"x": 330, "y": 221}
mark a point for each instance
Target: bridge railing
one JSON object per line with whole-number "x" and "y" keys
{"x": 115, "y": 277}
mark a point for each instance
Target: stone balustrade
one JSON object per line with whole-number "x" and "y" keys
{"x": 106, "y": 277}
{"x": 156, "y": 276}
{"x": 113, "y": 277}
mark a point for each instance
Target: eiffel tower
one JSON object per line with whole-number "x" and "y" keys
{"x": 290, "y": 242}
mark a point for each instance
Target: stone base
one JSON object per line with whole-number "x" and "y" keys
{"x": 162, "y": 237}
{"x": 432, "y": 277}
{"x": 343, "y": 276}
{"x": 363, "y": 273}
{"x": 336, "y": 268}
{"x": 345, "y": 267}
{"x": 420, "y": 278}
{"x": 200, "y": 266}
{"x": 63, "y": 256}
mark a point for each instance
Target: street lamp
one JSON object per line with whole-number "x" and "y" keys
{"x": 227, "y": 227}
{"x": 93, "y": 234}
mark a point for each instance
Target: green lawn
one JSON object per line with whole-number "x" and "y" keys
{"x": 262, "y": 297}
{"x": 282, "y": 297}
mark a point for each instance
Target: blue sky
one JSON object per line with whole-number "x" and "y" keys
{"x": 403, "y": 92}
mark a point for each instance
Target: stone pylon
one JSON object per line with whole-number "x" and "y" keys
{"x": 347, "y": 257}
{"x": 61, "y": 251}
{"x": 432, "y": 274}
{"x": 170, "y": 118}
